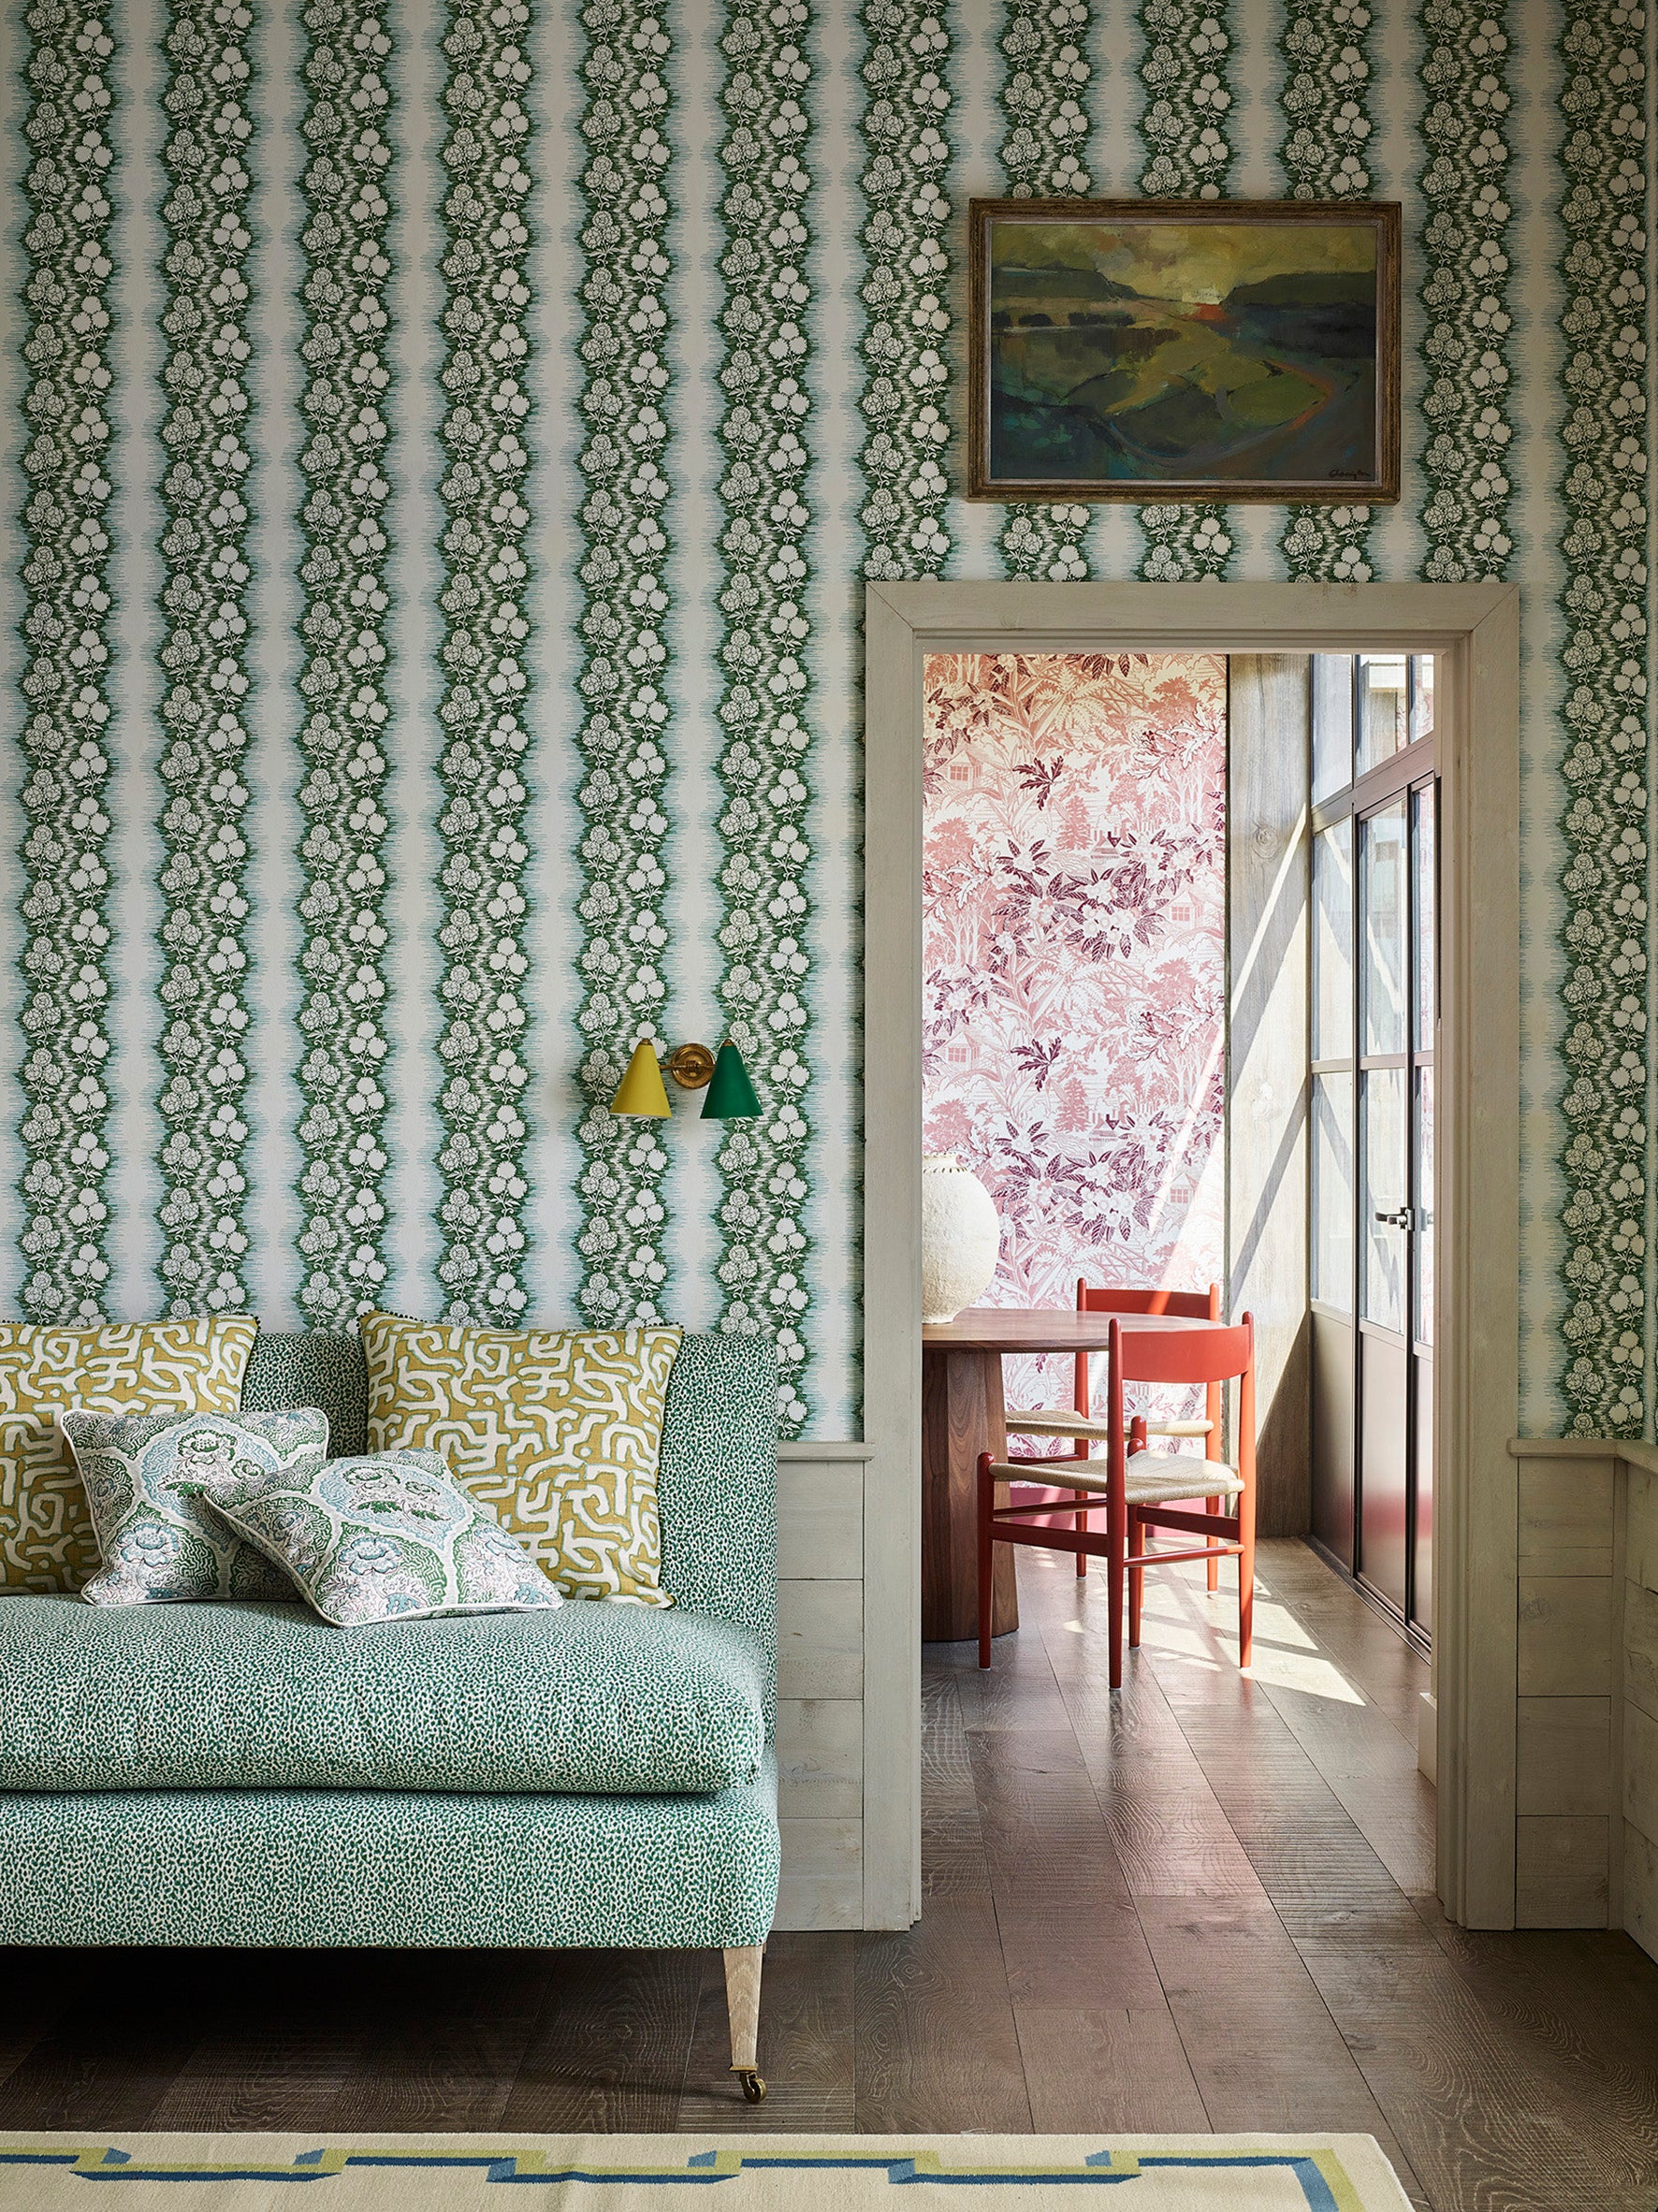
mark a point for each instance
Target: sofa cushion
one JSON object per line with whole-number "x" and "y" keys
{"x": 582, "y": 1697}
{"x": 321, "y": 1367}
{"x": 143, "y": 1472}
{"x": 192, "y": 1366}
{"x": 558, "y": 1431}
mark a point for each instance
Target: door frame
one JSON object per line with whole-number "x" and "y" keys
{"x": 1474, "y": 632}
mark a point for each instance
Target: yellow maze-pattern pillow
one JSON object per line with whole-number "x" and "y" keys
{"x": 559, "y": 1429}
{"x": 196, "y": 1366}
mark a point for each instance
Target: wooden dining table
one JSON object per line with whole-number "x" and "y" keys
{"x": 962, "y": 1414}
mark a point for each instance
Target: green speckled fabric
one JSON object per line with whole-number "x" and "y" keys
{"x": 312, "y": 1367}
{"x": 361, "y": 1867}
{"x": 231, "y": 1696}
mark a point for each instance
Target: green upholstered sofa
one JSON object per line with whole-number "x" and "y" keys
{"x": 596, "y": 1776}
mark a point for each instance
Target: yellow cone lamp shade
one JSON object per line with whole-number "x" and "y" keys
{"x": 730, "y": 1095}
{"x": 641, "y": 1090}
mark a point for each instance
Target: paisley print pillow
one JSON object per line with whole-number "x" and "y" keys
{"x": 45, "y": 1533}
{"x": 388, "y": 1537}
{"x": 144, "y": 1474}
{"x": 559, "y": 1431}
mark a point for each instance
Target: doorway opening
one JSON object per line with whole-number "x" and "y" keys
{"x": 1472, "y": 632}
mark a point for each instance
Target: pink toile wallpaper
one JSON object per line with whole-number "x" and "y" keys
{"x": 1074, "y": 965}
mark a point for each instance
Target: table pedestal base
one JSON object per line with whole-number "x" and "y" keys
{"x": 962, "y": 1415}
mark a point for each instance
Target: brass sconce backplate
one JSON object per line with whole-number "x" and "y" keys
{"x": 691, "y": 1066}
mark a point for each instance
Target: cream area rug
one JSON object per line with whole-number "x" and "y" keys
{"x": 51, "y": 2172}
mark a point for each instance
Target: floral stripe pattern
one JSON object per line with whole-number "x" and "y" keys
{"x": 485, "y": 539}
{"x": 210, "y": 99}
{"x": 1043, "y": 91}
{"x": 66, "y": 680}
{"x": 1466, "y": 263}
{"x": 347, "y": 405}
{"x": 905, "y": 400}
{"x": 1184, "y": 128}
{"x": 624, "y": 738}
{"x": 1608, "y": 823}
{"x": 764, "y": 375}
{"x": 1326, "y": 51}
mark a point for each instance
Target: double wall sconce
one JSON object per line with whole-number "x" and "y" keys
{"x": 695, "y": 1067}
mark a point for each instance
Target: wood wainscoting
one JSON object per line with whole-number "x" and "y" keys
{"x": 821, "y": 1715}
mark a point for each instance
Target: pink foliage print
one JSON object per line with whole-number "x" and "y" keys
{"x": 1074, "y": 956}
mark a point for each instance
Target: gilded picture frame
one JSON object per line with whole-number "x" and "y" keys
{"x": 1164, "y": 351}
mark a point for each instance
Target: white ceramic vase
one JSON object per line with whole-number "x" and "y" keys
{"x": 960, "y": 1237}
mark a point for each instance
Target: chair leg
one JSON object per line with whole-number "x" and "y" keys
{"x": 1116, "y": 1535}
{"x": 986, "y": 1555}
{"x": 1081, "y": 1524}
{"x": 742, "y": 2004}
{"x": 1245, "y": 1579}
{"x": 1212, "y": 1505}
{"x": 1136, "y": 1578}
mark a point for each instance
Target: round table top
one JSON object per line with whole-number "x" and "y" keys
{"x": 1039, "y": 1328}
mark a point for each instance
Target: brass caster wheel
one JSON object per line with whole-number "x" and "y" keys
{"x": 753, "y": 2085}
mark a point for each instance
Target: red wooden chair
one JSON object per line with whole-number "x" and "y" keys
{"x": 1079, "y": 1424}
{"x": 1142, "y": 1488}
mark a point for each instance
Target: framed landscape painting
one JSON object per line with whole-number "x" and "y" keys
{"x": 1169, "y": 350}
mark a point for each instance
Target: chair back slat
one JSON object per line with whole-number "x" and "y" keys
{"x": 1112, "y": 1298}
{"x": 1207, "y": 1355}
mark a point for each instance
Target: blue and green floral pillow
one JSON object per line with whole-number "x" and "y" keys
{"x": 388, "y": 1537}
{"x": 144, "y": 1474}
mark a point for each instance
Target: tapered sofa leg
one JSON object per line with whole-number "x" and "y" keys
{"x": 742, "y": 2002}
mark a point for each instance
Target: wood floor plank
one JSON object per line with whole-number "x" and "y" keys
{"x": 609, "y": 2049}
{"x": 40, "y": 1987}
{"x": 109, "y": 2063}
{"x": 937, "y": 2047}
{"x": 447, "y": 2033}
{"x": 1483, "y": 2123}
{"x": 1060, "y": 1958}
{"x": 1092, "y": 2070}
{"x": 807, "y": 2044}
{"x": 268, "y": 2055}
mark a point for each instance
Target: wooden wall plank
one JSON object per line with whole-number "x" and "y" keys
{"x": 820, "y": 1758}
{"x": 820, "y": 1520}
{"x": 1564, "y": 1761}
{"x": 1566, "y": 1635}
{"x": 1640, "y": 1771}
{"x": 1565, "y": 1517}
{"x": 823, "y": 1881}
{"x": 1640, "y": 1888}
{"x": 1268, "y": 868}
{"x": 1640, "y": 1559}
{"x": 821, "y": 1639}
{"x": 1561, "y": 1871}
{"x": 1640, "y": 1646}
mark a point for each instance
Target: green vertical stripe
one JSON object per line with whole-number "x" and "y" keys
{"x": 1185, "y": 134}
{"x": 1326, "y": 49}
{"x": 905, "y": 176}
{"x": 1465, "y": 259}
{"x": 766, "y": 431}
{"x": 65, "y": 681}
{"x": 1607, "y": 825}
{"x": 347, "y": 348}
{"x": 1044, "y": 85}
{"x": 485, "y": 442}
{"x": 210, "y": 101}
{"x": 625, "y": 739}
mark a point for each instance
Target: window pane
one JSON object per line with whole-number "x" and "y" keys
{"x": 1383, "y": 851}
{"x": 1421, "y": 702}
{"x": 1381, "y": 707}
{"x": 1332, "y": 1191}
{"x": 1385, "y": 1240}
{"x": 1425, "y": 914}
{"x": 1333, "y": 942}
{"x": 1333, "y": 724}
{"x": 1424, "y": 1240}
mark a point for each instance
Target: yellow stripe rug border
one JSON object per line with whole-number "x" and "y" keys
{"x": 47, "y": 2171}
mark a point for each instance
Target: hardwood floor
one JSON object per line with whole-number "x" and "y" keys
{"x": 1205, "y": 1904}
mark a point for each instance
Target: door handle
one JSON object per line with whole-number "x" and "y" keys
{"x": 1402, "y": 1218}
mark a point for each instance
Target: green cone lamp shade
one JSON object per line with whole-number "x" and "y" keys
{"x": 641, "y": 1090}
{"x": 730, "y": 1095}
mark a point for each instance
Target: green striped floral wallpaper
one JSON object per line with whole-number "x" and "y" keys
{"x": 445, "y": 445}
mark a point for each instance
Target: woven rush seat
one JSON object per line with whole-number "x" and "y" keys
{"x": 1058, "y": 1422}
{"x": 1151, "y": 1477}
